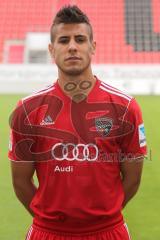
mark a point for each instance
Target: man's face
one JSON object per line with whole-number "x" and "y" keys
{"x": 72, "y": 48}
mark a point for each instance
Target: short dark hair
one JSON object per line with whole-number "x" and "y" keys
{"x": 68, "y": 15}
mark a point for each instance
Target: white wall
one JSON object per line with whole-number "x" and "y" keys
{"x": 134, "y": 79}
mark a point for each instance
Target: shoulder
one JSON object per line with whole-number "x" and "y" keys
{"x": 115, "y": 94}
{"x": 41, "y": 92}
{"x": 134, "y": 107}
{"x": 30, "y": 103}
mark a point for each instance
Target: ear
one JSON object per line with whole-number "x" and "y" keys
{"x": 93, "y": 47}
{"x": 51, "y": 49}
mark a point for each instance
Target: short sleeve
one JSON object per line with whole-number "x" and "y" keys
{"x": 20, "y": 140}
{"x": 133, "y": 144}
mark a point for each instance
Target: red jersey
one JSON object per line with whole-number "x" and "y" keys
{"x": 77, "y": 148}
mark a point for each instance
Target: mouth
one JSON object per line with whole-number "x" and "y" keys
{"x": 73, "y": 59}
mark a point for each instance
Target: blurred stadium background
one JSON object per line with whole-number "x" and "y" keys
{"x": 128, "y": 56}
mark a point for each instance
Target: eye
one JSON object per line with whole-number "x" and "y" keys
{"x": 63, "y": 40}
{"x": 80, "y": 39}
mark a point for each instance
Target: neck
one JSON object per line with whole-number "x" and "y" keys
{"x": 76, "y": 86}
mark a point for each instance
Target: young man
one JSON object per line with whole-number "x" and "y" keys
{"x": 83, "y": 138}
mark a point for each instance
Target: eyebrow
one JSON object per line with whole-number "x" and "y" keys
{"x": 79, "y": 35}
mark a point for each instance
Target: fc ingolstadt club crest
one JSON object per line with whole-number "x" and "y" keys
{"x": 103, "y": 125}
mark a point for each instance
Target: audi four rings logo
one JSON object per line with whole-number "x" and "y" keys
{"x": 71, "y": 151}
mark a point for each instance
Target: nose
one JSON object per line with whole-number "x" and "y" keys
{"x": 72, "y": 46}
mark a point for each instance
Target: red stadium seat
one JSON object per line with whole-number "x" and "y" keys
{"x": 113, "y": 23}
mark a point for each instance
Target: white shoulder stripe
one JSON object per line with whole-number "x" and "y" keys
{"x": 126, "y": 227}
{"x": 116, "y": 93}
{"x": 39, "y": 93}
{"x": 44, "y": 89}
{"x": 115, "y": 89}
{"x": 29, "y": 233}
